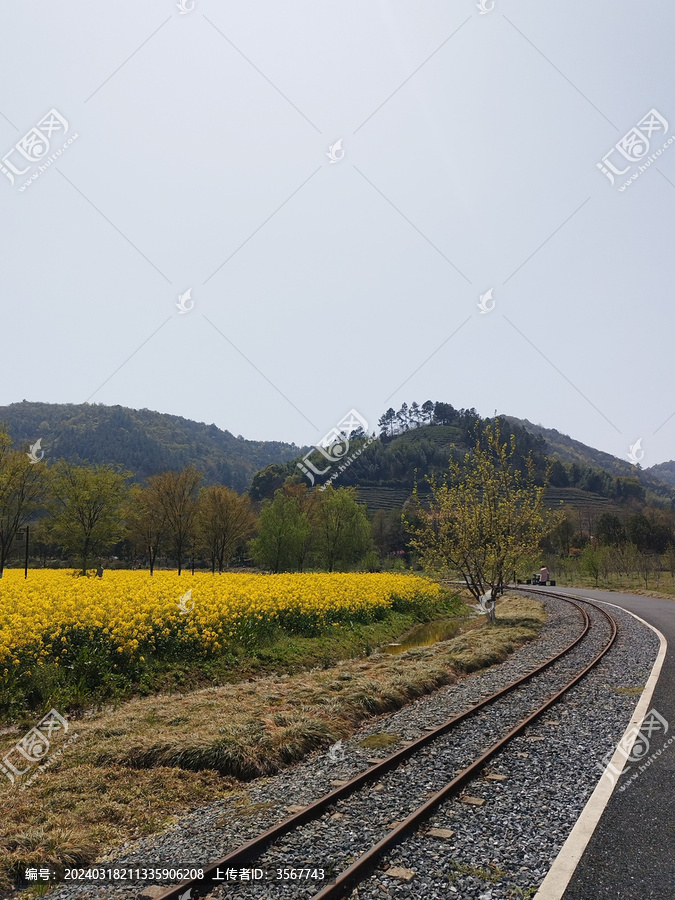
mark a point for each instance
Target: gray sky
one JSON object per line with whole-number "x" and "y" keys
{"x": 471, "y": 144}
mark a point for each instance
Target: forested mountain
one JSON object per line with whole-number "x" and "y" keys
{"x": 567, "y": 450}
{"x": 664, "y": 471}
{"x": 142, "y": 441}
{"x": 417, "y": 441}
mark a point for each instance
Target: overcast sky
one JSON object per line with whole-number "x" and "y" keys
{"x": 468, "y": 163}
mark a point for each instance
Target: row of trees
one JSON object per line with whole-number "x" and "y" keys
{"x": 611, "y": 547}
{"x": 650, "y": 531}
{"x": 296, "y": 529}
{"x": 617, "y": 565}
{"x": 171, "y": 513}
{"x": 483, "y": 520}
{"x": 301, "y": 528}
{"x": 87, "y": 510}
{"x": 597, "y": 481}
{"x": 646, "y": 534}
{"x": 415, "y": 416}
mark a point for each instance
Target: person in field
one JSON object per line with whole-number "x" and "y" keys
{"x": 543, "y": 575}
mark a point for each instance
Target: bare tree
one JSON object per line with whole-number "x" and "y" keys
{"x": 175, "y": 493}
{"x": 645, "y": 566}
{"x": 146, "y": 521}
{"x": 224, "y": 522}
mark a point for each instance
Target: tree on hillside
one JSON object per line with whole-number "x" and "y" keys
{"x": 342, "y": 529}
{"x": 609, "y": 530}
{"x": 428, "y": 412}
{"x": 559, "y": 476}
{"x": 628, "y": 489}
{"x": 563, "y": 535}
{"x": 23, "y": 490}
{"x": 387, "y": 423}
{"x": 146, "y": 521}
{"x": 639, "y": 531}
{"x": 485, "y": 518}
{"x": 86, "y": 508}
{"x": 175, "y": 493}
{"x": 445, "y": 414}
{"x": 267, "y": 481}
{"x": 403, "y": 417}
{"x": 660, "y": 529}
{"x": 388, "y": 533}
{"x": 224, "y": 522}
{"x": 284, "y": 530}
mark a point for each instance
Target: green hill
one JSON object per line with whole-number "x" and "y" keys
{"x": 417, "y": 441}
{"x": 142, "y": 441}
{"x": 413, "y": 442}
{"x": 664, "y": 472}
{"x": 566, "y": 449}
{"x": 658, "y": 479}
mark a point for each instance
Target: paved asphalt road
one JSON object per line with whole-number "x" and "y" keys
{"x": 631, "y": 855}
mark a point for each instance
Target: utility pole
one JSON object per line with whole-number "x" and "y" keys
{"x": 25, "y": 535}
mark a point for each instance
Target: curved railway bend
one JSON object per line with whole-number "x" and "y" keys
{"x": 350, "y": 830}
{"x": 475, "y": 805}
{"x": 429, "y": 771}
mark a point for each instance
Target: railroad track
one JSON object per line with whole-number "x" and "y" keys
{"x": 559, "y": 673}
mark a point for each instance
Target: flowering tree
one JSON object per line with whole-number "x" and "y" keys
{"x": 485, "y": 518}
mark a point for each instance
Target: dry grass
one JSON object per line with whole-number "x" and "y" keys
{"x": 133, "y": 769}
{"x": 638, "y": 590}
{"x": 629, "y": 691}
{"x": 70, "y": 814}
{"x": 519, "y": 608}
{"x": 633, "y": 585}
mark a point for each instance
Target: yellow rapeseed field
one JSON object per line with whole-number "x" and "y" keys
{"x": 135, "y": 615}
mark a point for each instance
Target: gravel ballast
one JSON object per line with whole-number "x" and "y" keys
{"x": 501, "y": 848}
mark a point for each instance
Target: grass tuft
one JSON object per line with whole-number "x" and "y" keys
{"x": 40, "y": 847}
{"x": 380, "y": 740}
{"x": 630, "y": 691}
